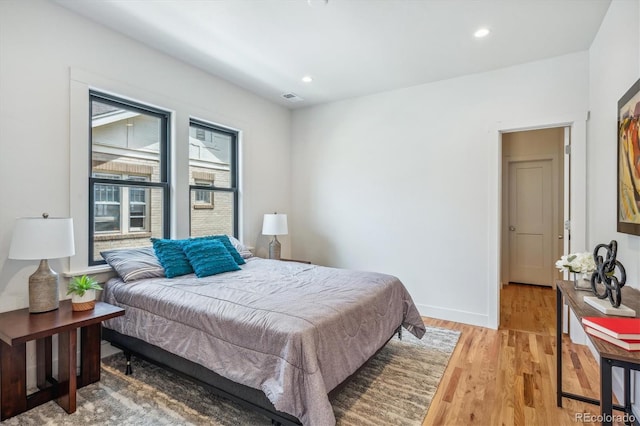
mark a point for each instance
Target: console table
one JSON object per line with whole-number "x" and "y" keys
{"x": 610, "y": 355}
{"x": 19, "y": 327}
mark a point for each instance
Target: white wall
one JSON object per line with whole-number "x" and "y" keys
{"x": 614, "y": 65}
{"x": 43, "y": 48}
{"x": 400, "y": 182}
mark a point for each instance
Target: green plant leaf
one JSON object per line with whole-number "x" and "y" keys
{"x": 79, "y": 285}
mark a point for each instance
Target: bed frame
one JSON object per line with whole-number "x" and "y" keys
{"x": 245, "y": 396}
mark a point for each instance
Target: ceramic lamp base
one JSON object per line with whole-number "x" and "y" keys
{"x": 274, "y": 248}
{"x": 43, "y": 289}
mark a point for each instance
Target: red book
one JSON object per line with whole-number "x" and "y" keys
{"x": 628, "y": 344}
{"x": 620, "y": 328}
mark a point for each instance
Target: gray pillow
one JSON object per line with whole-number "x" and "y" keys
{"x": 134, "y": 263}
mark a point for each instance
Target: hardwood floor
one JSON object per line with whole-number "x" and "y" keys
{"x": 508, "y": 376}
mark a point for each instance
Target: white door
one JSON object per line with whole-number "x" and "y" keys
{"x": 531, "y": 199}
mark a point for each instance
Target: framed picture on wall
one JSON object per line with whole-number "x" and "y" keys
{"x": 629, "y": 161}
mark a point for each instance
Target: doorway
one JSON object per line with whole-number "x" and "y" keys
{"x": 575, "y": 194}
{"x": 533, "y": 207}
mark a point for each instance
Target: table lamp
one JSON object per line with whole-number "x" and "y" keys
{"x": 274, "y": 224}
{"x": 42, "y": 238}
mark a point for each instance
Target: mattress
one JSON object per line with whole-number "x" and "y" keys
{"x": 293, "y": 330}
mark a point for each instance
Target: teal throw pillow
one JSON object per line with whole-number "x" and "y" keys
{"x": 172, "y": 257}
{"x": 209, "y": 257}
{"x": 230, "y": 248}
{"x": 227, "y": 244}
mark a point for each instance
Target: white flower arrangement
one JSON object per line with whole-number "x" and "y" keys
{"x": 581, "y": 263}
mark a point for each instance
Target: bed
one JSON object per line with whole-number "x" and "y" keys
{"x": 276, "y": 336}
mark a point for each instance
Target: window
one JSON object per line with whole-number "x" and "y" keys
{"x": 107, "y": 206}
{"x": 213, "y": 179}
{"x": 138, "y": 206}
{"x": 114, "y": 204}
{"x": 129, "y": 190}
{"x": 203, "y": 198}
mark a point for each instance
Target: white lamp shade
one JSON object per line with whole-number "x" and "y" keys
{"x": 36, "y": 238}
{"x": 275, "y": 224}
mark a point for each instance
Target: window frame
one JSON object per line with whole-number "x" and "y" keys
{"x": 164, "y": 166}
{"x": 233, "y": 172}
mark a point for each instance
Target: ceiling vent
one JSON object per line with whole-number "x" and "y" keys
{"x": 292, "y": 97}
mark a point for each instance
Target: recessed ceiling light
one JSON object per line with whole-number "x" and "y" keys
{"x": 307, "y": 79}
{"x": 482, "y": 32}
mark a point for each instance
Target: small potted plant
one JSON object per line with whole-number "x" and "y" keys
{"x": 83, "y": 293}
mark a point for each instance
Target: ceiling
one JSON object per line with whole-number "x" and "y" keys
{"x": 349, "y": 47}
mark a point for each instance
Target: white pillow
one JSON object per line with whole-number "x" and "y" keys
{"x": 242, "y": 249}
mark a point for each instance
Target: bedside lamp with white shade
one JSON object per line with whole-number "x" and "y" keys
{"x": 44, "y": 238}
{"x": 274, "y": 224}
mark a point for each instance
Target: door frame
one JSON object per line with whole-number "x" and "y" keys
{"x": 506, "y": 242}
{"x": 575, "y": 189}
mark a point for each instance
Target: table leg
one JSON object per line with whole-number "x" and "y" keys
{"x": 627, "y": 395}
{"x": 559, "y": 329}
{"x": 606, "y": 393}
{"x": 67, "y": 378}
{"x": 43, "y": 361}
{"x": 13, "y": 380}
{"x": 90, "y": 344}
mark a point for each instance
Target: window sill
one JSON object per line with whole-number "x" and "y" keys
{"x": 100, "y": 272}
{"x": 129, "y": 236}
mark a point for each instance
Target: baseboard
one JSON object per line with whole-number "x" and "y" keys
{"x": 453, "y": 315}
{"x": 576, "y": 332}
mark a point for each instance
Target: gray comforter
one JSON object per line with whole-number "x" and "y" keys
{"x": 293, "y": 330}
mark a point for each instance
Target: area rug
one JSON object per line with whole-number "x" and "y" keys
{"x": 395, "y": 387}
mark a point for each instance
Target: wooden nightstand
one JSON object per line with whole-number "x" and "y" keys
{"x": 19, "y": 327}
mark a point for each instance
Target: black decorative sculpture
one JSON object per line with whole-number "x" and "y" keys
{"x": 604, "y": 281}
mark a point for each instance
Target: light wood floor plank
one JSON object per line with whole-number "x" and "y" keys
{"x": 508, "y": 376}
